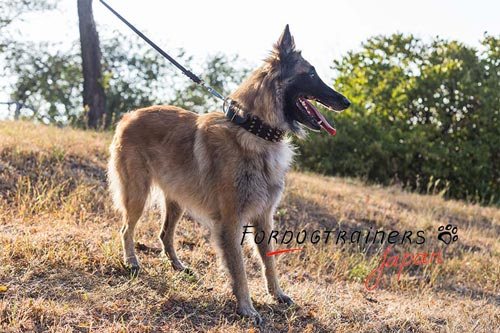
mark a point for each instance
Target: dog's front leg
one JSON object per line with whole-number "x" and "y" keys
{"x": 227, "y": 237}
{"x": 265, "y": 224}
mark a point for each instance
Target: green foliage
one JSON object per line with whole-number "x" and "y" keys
{"x": 423, "y": 115}
{"x": 50, "y": 80}
{"x": 46, "y": 81}
{"x": 134, "y": 76}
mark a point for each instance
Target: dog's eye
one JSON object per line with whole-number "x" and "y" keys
{"x": 312, "y": 73}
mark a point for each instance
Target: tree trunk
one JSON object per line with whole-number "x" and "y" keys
{"x": 94, "y": 99}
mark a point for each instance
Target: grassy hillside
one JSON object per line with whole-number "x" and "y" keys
{"x": 61, "y": 258}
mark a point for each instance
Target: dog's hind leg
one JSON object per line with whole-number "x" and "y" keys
{"x": 135, "y": 191}
{"x": 130, "y": 218}
{"x": 265, "y": 224}
{"x": 172, "y": 215}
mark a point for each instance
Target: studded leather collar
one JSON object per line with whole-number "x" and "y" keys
{"x": 254, "y": 125}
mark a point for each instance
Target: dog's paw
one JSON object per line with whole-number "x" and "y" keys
{"x": 133, "y": 270}
{"x": 448, "y": 234}
{"x": 177, "y": 265}
{"x": 250, "y": 313}
{"x": 131, "y": 264}
{"x": 282, "y": 298}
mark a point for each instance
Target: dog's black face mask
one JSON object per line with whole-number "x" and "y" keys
{"x": 301, "y": 83}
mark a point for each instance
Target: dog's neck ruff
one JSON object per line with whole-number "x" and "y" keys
{"x": 253, "y": 124}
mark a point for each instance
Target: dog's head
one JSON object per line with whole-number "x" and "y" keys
{"x": 300, "y": 83}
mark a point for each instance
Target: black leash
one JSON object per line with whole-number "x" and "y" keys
{"x": 252, "y": 124}
{"x": 185, "y": 71}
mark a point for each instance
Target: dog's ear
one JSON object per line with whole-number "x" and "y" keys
{"x": 285, "y": 44}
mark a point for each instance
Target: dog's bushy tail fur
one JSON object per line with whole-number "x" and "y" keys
{"x": 115, "y": 182}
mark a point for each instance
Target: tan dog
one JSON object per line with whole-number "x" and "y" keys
{"x": 226, "y": 173}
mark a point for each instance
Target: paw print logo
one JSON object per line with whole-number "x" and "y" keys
{"x": 448, "y": 234}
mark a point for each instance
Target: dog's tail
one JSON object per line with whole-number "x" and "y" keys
{"x": 115, "y": 181}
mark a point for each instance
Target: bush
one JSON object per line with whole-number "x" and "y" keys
{"x": 423, "y": 115}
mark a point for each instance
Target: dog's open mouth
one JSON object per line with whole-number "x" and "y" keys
{"x": 314, "y": 116}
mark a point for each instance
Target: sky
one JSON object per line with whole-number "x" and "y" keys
{"x": 323, "y": 30}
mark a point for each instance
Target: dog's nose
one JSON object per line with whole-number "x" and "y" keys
{"x": 346, "y": 102}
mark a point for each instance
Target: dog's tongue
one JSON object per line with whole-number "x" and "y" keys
{"x": 318, "y": 116}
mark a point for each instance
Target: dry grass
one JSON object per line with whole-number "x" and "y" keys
{"x": 60, "y": 255}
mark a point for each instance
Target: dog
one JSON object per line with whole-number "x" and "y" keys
{"x": 230, "y": 173}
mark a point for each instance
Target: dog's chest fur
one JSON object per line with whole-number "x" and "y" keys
{"x": 260, "y": 179}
